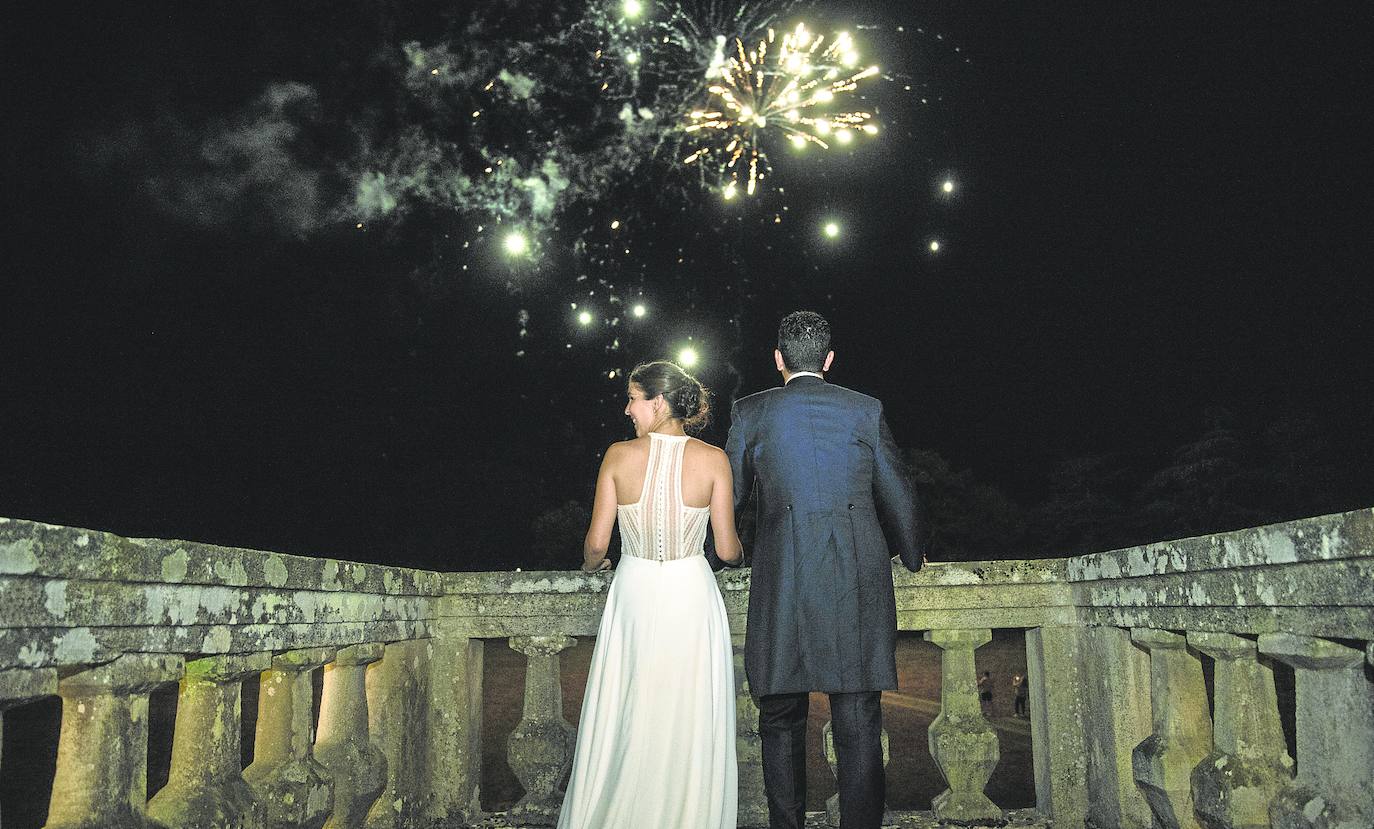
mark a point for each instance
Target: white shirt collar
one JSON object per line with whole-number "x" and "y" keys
{"x": 797, "y": 374}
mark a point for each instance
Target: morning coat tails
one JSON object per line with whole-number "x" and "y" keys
{"x": 835, "y": 502}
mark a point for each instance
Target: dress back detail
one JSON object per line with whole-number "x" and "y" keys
{"x": 659, "y": 527}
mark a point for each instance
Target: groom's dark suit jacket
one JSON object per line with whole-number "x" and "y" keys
{"x": 835, "y": 503}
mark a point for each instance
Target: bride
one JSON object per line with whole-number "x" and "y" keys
{"x": 656, "y": 740}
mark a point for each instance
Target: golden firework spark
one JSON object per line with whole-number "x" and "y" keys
{"x": 796, "y": 90}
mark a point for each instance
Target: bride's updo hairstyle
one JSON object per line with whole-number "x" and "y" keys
{"x": 687, "y": 398}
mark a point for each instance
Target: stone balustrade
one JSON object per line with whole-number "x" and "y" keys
{"x": 206, "y": 780}
{"x": 101, "y": 621}
{"x": 1151, "y": 674}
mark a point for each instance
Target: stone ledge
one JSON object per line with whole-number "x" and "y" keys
{"x": 955, "y": 594}
{"x": 35, "y": 602}
{"x": 1345, "y": 535}
{"x": 517, "y": 584}
{"x": 57, "y": 647}
{"x": 1331, "y": 622}
{"x": 1344, "y": 583}
{"x": 30, "y": 548}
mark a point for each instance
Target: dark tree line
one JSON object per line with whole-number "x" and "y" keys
{"x": 1228, "y": 477}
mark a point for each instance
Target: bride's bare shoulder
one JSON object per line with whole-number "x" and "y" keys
{"x": 705, "y": 451}
{"x": 625, "y": 450}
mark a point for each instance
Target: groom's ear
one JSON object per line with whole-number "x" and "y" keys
{"x": 777, "y": 360}
{"x": 829, "y": 358}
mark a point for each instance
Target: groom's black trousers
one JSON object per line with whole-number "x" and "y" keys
{"x": 856, "y": 722}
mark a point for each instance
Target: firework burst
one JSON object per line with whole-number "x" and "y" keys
{"x": 795, "y": 89}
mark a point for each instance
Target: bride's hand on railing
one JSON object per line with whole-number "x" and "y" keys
{"x": 604, "y": 565}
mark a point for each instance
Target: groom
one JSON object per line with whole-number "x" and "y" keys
{"x": 835, "y": 503}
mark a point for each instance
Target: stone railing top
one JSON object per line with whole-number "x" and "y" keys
{"x": 515, "y": 582}
{"x": 30, "y": 548}
{"x": 572, "y": 580}
{"x": 1345, "y": 535}
{"x": 934, "y": 574}
{"x": 976, "y": 594}
{"x": 982, "y": 573}
{"x": 70, "y": 595}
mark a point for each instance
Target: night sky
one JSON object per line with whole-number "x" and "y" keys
{"x": 256, "y": 288}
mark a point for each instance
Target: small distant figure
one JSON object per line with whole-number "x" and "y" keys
{"x": 985, "y": 691}
{"x": 1019, "y": 694}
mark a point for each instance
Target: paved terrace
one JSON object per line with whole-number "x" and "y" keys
{"x": 1126, "y": 733}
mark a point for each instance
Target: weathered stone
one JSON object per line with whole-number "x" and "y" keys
{"x": 20, "y": 686}
{"x": 832, "y": 804}
{"x": 753, "y": 802}
{"x": 962, "y": 743}
{"x": 36, "y": 549}
{"x": 454, "y": 727}
{"x": 1333, "y": 622}
{"x": 79, "y": 597}
{"x": 1116, "y": 673}
{"x": 1335, "y": 725}
{"x": 1056, "y": 706}
{"x": 1345, "y": 535}
{"x": 57, "y": 647}
{"x": 65, "y": 603}
{"x": 540, "y": 750}
{"x": 1182, "y": 736}
{"x": 102, "y": 753}
{"x": 205, "y": 788}
{"x": 343, "y": 743}
{"x": 957, "y": 596}
{"x": 1311, "y": 576}
{"x": 285, "y": 775}
{"x": 946, "y": 594}
{"x": 1233, "y": 786}
{"x": 398, "y": 694}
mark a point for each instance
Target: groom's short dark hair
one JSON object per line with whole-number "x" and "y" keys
{"x": 804, "y": 340}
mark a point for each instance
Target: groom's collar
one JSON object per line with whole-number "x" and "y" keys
{"x": 799, "y": 374}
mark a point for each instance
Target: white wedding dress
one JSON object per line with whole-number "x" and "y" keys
{"x": 656, "y": 739}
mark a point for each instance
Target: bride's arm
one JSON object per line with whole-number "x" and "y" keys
{"x": 728, "y": 546}
{"x": 603, "y": 517}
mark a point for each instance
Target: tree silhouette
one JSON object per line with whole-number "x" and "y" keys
{"x": 1085, "y": 510}
{"x": 1212, "y": 484}
{"x": 969, "y": 520}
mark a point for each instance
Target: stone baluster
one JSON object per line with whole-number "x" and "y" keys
{"x": 1164, "y": 761}
{"x": 1058, "y": 713}
{"x": 1115, "y": 704}
{"x": 398, "y": 691}
{"x": 1233, "y": 786}
{"x": 1335, "y": 724}
{"x": 454, "y": 769}
{"x": 21, "y": 686}
{"x": 832, "y": 803}
{"x": 540, "y": 750}
{"x": 753, "y": 803}
{"x": 102, "y": 754}
{"x": 206, "y": 789}
{"x": 343, "y": 744}
{"x": 296, "y": 789}
{"x": 962, "y": 743}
